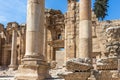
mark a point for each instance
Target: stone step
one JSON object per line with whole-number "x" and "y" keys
{"x": 6, "y": 78}
{"x": 54, "y": 79}
{"x": 12, "y": 78}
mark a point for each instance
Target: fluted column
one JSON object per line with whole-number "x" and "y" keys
{"x": 13, "y": 63}
{"x": 85, "y": 31}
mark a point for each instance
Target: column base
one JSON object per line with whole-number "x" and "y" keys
{"x": 32, "y": 70}
{"x": 13, "y": 67}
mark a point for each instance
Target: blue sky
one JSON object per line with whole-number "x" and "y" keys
{"x": 15, "y": 10}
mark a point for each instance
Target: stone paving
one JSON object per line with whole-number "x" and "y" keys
{"x": 6, "y": 74}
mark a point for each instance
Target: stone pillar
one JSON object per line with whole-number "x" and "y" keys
{"x": 34, "y": 66}
{"x": 35, "y": 29}
{"x": 85, "y": 29}
{"x": 45, "y": 42}
{"x": 70, "y": 45}
{"x": 13, "y": 63}
{"x": 0, "y": 51}
{"x": 1, "y": 30}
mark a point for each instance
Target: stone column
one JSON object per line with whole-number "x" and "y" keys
{"x": 45, "y": 40}
{"x": 1, "y": 30}
{"x": 35, "y": 29}
{"x": 0, "y": 51}
{"x": 85, "y": 29}
{"x": 13, "y": 63}
{"x": 33, "y": 66}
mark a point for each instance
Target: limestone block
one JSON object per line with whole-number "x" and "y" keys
{"x": 53, "y": 64}
{"x": 76, "y": 76}
{"x": 107, "y": 64}
{"x": 33, "y": 71}
{"x": 78, "y": 65}
{"x": 108, "y": 75}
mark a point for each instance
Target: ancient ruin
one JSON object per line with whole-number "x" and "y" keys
{"x": 57, "y": 46}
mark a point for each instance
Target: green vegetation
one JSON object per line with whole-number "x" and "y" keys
{"x": 101, "y": 8}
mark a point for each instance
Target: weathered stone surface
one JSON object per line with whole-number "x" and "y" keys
{"x": 53, "y": 64}
{"x": 113, "y": 41}
{"x": 85, "y": 29}
{"x": 33, "y": 71}
{"x": 55, "y": 32}
{"x": 79, "y": 65}
{"x": 70, "y": 21}
{"x": 13, "y": 64}
{"x": 108, "y": 75}
{"x": 72, "y": 31}
{"x": 75, "y": 76}
{"x": 107, "y": 64}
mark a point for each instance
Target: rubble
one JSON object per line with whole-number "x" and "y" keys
{"x": 78, "y": 64}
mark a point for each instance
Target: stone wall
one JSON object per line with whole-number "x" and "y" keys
{"x": 55, "y": 37}
{"x": 60, "y": 55}
{"x": 55, "y": 32}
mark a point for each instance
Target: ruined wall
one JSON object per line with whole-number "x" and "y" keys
{"x": 55, "y": 32}
{"x": 6, "y": 43}
{"x": 63, "y": 32}
{"x": 72, "y": 31}
{"x": 101, "y": 32}
{"x": 55, "y": 37}
{"x": 1, "y": 41}
{"x": 109, "y": 40}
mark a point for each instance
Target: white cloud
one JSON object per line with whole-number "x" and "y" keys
{"x": 2, "y": 19}
{"x": 12, "y": 10}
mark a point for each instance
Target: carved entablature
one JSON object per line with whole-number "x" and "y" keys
{"x": 56, "y": 43}
{"x": 54, "y": 19}
{"x": 55, "y": 23}
{"x": 113, "y": 41}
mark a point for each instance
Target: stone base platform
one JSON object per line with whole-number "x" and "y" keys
{"x": 13, "y": 67}
{"x": 32, "y": 70}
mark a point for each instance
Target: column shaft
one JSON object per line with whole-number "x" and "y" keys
{"x": 13, "y": 63}
{"x": 35, "y": 29}
{"x": 34, "y": 59}
{"x": 85, "y": 29}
